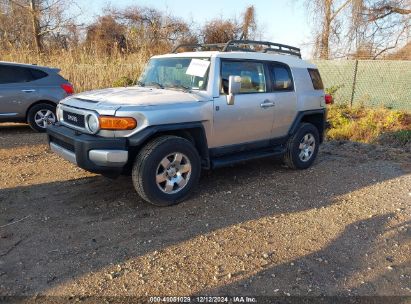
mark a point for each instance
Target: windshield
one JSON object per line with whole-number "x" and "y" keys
{"x": 179, "y": 73}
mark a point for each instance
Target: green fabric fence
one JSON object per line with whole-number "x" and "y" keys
{"x": 372, "y": 83}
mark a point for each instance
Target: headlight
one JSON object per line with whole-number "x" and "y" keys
{"x": 92, "y": 123}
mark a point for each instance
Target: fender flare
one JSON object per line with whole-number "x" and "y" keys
{"x": 195, "y": 129}
{"x": 299, "y": 117}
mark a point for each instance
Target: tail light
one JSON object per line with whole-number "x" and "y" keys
{"x": 328, "y": 99}
{"x": 68, "y": 88}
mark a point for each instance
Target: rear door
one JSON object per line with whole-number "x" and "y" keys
{"x": 17, "y": 90}
{"x": 283, "y": 93}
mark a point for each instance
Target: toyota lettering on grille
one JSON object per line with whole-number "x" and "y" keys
{"x": 72, "y": 118}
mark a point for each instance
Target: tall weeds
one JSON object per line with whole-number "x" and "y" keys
{"x": 369, "y": 124}
{"x": 84, "y": 70}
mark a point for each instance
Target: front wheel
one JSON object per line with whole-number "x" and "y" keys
{"x": 302, "y": 147}
{"x": 40, "y": 116}
{"x": 166, "y": 170}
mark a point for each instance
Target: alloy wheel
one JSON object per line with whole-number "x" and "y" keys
{"x": 307, "y": 147}
{"x": 44, "y": 117}
{"x": 173, "y": 173}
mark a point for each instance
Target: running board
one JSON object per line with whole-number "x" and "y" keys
{"x": 231, "y": 159}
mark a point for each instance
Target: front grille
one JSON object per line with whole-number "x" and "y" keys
{"x": 62, "y": 144}
{"x": 74, "y": 119}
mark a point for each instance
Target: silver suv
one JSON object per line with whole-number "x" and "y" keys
{"x": 30, "y": 93}
{"x": 217, "y": 105}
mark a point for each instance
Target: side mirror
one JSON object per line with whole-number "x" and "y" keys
{"x": 234, "y": 86}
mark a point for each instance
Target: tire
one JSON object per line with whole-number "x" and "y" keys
{"x": 166, "y": 170}
{"x": 300, "y": 153}
{"x": 40, "y": 115}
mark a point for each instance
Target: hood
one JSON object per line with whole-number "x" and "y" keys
{"x": 139, "y": 96}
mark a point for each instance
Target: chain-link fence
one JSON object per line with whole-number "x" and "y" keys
{"x": 368, "y": 82}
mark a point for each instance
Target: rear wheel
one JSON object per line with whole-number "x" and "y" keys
{"x": 166, "y": 170}
{"x": 40, "y": 116}
{"x": 302, "y": 147}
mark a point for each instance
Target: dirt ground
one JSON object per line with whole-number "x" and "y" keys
{"x": 342, "y": 227}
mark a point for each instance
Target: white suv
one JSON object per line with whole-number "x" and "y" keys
{"x": 215, "y": 106}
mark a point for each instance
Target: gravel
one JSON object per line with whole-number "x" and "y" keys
{"x": 342, "y": 227}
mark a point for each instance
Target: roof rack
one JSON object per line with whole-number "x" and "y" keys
{"x": 244, "y": 46}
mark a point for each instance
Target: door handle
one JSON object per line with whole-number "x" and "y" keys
{"x": 28, "y": 91}
{"x": 267, "y": 104}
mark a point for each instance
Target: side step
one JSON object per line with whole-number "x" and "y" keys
{"x": 228, "y": 160}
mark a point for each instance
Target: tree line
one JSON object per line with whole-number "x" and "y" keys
{"x": 360, "y": 28}
{"x": 44, "y": 26}
{"x": 342, "y": 28}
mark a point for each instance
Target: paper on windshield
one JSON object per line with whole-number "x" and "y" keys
{"x": 197, "y": 67}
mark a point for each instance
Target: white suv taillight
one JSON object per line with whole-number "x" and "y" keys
{"x": 328, "y": 99}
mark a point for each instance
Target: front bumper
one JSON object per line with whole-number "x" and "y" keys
{"x": 96, "y": 154}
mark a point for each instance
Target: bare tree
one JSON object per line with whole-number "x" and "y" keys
{"x": 327, "y": 12}
{"x": 15, "y": 26}
{"x": 150, "y": 28}
{"x": 35, "y": 21}
{"x": 249, "y": 25}
{"x": 44, "y": 17}
{"x": 359, "y": 28}
{"x": 383, "y": 26}
{"x": 222, "y": 30}
{"x": 106, "y": 36}
{"x": 403, "y": 53}
{"x": 383, "y": 9}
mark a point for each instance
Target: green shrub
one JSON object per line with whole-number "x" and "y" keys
{"x": 403, "y": 137}
{"x": 366, "y": 124}
{"x": 332, "y": 90}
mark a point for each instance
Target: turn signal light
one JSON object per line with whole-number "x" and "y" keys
{"x": 117, "y": 123}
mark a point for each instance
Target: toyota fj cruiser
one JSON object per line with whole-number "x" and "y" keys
{"x": 216, "y": 105}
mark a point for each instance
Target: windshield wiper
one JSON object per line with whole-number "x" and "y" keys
{"x": 153, "y": 83}
{"x": 180, "y": 86}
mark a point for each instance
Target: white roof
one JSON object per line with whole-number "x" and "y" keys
{"x": 291, "y": 60}
{"x": 205, "y": 54}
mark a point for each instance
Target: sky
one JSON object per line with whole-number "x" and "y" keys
{"x": 280, "y": 21}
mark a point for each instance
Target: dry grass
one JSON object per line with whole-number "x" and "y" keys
{"x": 86, "y": 71}
{"x": 378, "y": 125}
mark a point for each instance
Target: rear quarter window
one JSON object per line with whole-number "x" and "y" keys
{"x": 316, "y": 79}
{"x": 37, "y": 74}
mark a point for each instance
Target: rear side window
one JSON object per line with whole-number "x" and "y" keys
{"x": 281, "y": 78}
{"x": 16, "y": 74}
{"x": 316, "y": 79}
